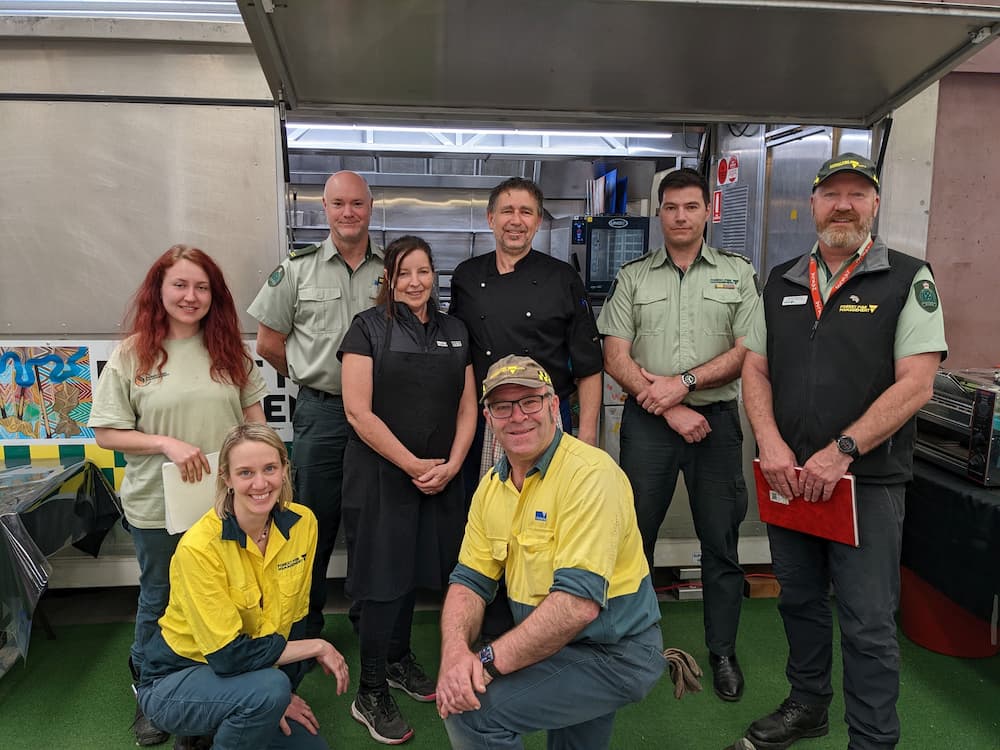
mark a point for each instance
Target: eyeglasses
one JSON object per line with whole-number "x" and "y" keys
{"x": 528, "y": 405}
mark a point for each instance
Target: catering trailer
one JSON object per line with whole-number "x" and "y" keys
{"x": 123, "y": 137}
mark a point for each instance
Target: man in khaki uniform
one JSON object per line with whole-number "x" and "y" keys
{"x": 673, "y": 328}
{"x": 304, "y": 310}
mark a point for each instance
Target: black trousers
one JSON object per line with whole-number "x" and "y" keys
{"x": 384, "y": 635}
{"x": 866, "y": 585}
{"x": 652, "y": 455}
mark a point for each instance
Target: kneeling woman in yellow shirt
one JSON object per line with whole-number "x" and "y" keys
{"x": 239, "y": 589}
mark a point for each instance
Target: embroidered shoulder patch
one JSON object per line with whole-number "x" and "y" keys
{"x": 926, "y": 294}
{"x": 276, "y": 276}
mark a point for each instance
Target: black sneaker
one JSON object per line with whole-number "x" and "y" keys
{"x": 146, "y": 733}
{"x": 378, "y": 711}
{"x": 792, "y": 721}
{"x": 410, "y": 677}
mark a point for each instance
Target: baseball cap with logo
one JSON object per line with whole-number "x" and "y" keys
{"x": 514, "y": 370}
{"x": 848, "y": 162}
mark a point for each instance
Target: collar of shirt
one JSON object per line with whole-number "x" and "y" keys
{"x": 283, "y": 521}
{"x": 491, "y": 267}
{"x": 707, "y": 253}
{"x": 328, "y": 250}
{"x": 541, "y": 465}
{"x": 406, "y": 317}
{"x": 826, "y": 269}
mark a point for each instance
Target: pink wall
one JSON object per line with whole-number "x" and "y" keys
{"x": 963, "y": 243}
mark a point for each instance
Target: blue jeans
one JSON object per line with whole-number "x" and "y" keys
{"x": 574, "y": 695}
{"x": 242, "y": 711}
{"x": 866, "y": 585}
{"x": 320, "y": 436}
{"x": 154, "y": 548}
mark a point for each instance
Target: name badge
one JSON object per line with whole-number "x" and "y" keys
{"x": 443, "y": 344}
{"x": 799, "y": 299}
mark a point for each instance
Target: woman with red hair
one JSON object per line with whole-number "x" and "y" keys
{"x": 170, "y": 392}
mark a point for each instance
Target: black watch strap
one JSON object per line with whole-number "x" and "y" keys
{"x": 847, "y": 446}
{"x": 486, "y": 658}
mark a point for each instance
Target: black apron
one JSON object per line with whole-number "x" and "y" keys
{"x": 398, "y": 538}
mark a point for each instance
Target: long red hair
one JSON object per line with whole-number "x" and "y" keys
{"x": 220, "y": 327}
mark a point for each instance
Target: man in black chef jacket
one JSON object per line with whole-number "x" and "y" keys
{"x": 516, "y": 300}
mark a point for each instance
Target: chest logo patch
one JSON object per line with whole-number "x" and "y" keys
{"x": 723, "y": 283}
{"x": 797, "y": 299}
{"x": 857, "y": 308}
{"x": 149, "y": 378}
{"x": 294, "y": 562}
{"x": 541, "y": 515}
{"x": 927, "y": 296}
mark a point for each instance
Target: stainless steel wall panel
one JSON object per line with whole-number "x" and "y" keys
{"x": 106, "y": 68}
{"x": 741, "y": 230}
{"x": 904, "y": 213}
{"x": 791, "y": 170}
{"x": 426, "y": 209}
{"x": 93, "y": 192}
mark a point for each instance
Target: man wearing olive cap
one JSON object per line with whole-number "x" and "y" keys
{"x": 556, "y": 516}
{"x": 845, "y": 356}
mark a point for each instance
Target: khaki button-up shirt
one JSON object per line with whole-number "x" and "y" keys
{"x": 676, "y": 321}
{"x": 312, "y": 298}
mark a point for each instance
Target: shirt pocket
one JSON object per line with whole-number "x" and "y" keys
{"x": 498, "y": 550}
{"x": 650, "y": 312}
{"x": 247, "y": 599}
{"x": 719, "y": 311}
{"x": 320, "y": 309}
{"x": 532, "y": 575}
{"x": 291, "y": 583}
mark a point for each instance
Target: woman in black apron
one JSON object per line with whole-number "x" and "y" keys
{"x": 410, "y": 399}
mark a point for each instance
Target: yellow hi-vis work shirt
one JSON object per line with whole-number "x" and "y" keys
{"x": 230, "y": 606}
{"x": 570, "y": 528}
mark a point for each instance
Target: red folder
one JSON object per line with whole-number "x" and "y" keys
{"x": 835, "y": 519}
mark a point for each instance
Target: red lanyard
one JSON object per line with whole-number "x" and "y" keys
{"x": 817, "y": 298}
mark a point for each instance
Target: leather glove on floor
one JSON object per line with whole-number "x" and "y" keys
{"x": 684, "y": 672}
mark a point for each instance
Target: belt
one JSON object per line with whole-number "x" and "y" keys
{"x": 319, "y": 395}
{"x": 715, "y": 408}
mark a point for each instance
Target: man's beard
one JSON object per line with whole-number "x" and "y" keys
{"x": 846, "y": 236}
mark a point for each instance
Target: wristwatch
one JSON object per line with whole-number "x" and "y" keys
{"x": 847, "y": 446}
{"x": 689, "y": 379}
{"x": 486, "y": 657}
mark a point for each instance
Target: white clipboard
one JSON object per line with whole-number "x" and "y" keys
{"x": 186, "y": 502}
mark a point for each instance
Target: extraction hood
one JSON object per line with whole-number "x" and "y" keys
{"x": 636, "y": 64}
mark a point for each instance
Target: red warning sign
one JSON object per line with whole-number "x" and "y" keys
{"x": 733, "y": 170}
{"x": 717, "y": 207}
{"x": 729, "y": 170}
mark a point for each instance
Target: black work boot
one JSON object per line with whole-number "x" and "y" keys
{"x": 792, "y": 721}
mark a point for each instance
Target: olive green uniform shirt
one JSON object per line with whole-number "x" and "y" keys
{"x": 676, "y": 322}
{"x": 919, "y": 329}
{"x": 312, "y": 297}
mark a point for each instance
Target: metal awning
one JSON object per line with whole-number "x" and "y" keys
{"x": 609, "y": 63}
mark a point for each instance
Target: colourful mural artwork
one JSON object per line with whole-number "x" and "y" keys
{"x": 45, "y": 393}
